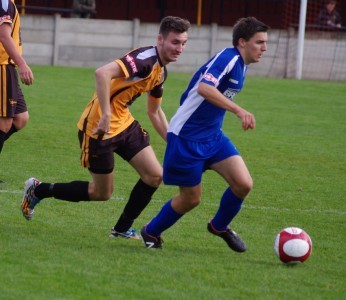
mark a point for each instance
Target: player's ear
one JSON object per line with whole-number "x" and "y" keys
{"x": 241, "y": 43}
{"x": 160, "y": 39}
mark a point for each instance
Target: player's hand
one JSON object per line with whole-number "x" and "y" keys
{"x": 248, "y": 119}
{"x": 103, "y": 126}
{"x": 26, "y": 75}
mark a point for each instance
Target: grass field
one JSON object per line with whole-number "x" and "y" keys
{"x": 297, "y": 159}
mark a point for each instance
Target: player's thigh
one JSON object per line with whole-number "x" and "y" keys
{"x": 234, "y": 170}
{"x": 147, "y": 165}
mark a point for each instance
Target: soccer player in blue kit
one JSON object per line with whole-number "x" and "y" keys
{"x": 196, "y": 142}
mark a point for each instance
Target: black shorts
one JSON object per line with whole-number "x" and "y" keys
{"x": 98, "y": 155}
{"x": 11, "y": 97}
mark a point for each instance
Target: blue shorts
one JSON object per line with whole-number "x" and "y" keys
{"x": 186, "y": 160}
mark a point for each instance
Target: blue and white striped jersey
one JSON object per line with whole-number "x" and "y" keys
{"x": 198, "y": 119}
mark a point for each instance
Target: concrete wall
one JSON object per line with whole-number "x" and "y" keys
{"x": 52, "y": 40}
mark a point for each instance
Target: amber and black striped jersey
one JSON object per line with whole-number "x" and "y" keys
{"x": 144, "y": 72}
{"x": 9, "y": 14}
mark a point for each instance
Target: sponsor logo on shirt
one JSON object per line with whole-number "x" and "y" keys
{"x": 210, "y": 77}
{"x": 132, "y": 63}
{"x": 5, "y": 18}
{"x": 230, "y": 93}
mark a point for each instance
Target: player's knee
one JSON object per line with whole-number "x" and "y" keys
{"x": 247, "y": 187}
{"x": 157, "y": 180}
{"x": 243, "y": 188}
{"x": 21, "y": 120}
{"x": 153, "y": 180}
{"x": 191, "y": 201}
{"x": 194, "y": 202}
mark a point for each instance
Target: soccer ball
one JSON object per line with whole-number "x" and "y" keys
{"x": 293, "y": 245}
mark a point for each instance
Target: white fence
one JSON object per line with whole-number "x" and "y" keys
{"x": 52, "y": 40}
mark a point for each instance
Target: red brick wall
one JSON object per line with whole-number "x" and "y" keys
{"x": 222, "y": 12}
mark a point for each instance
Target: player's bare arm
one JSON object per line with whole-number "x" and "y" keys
{"x": 103, "y": 76}
{"x": 24, "y": 71}
{"x": 157, "y": 116}
{"x": 213, "y": 95}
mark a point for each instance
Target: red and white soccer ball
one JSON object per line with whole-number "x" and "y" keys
{"x": 293, "y": 245}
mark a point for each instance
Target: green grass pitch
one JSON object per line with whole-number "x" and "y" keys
{"x": 296, "y": 156}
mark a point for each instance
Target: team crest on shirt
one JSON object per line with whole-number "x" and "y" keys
{"x": 132, "y": 63}
{"x": 211, "y": 78}
{"x": 230, "y": 93}
{"x": 12, "y": 101}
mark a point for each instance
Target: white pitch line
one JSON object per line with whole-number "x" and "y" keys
{"x": 10, "y": 192}
{"x": 269, "y": 208}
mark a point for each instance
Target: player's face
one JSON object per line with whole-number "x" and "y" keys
{"x": 171, "y": 46}
{"x": 330, "y": 7}
{"x": 253, "y": 49}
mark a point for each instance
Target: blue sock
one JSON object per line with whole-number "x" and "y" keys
{"x": 230, "y": 205}
{"x": 163, "y": 220}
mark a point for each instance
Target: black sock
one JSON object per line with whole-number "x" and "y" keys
{"x": 123, "y": 224}
{"x": 74, "y": 191}
{"x": 2, "y": 139}
{"x": 140, "y": 197}
{"x": 12, "y": 130}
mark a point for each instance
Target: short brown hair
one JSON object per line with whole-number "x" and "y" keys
{"x": 246, "y": 28}
{"x": 173, "y": 24}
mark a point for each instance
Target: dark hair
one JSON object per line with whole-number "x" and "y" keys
{"x": 175, "y": 24}
{"x": 246, "y": 28}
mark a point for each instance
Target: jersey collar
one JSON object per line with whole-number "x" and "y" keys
{"x": 158, "y": 57}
